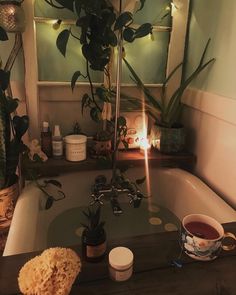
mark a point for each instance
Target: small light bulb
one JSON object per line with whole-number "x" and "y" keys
{"x": 168, "y": 8}
{"x": 57, "y": 24}
{"x": 151, "y": 36}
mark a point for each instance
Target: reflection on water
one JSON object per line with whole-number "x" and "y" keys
{"x": 66, "y": 229}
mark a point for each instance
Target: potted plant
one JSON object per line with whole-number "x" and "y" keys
{"x": 12, "y": 128}
{"x": 93, "y": 236}
{"x": 168, "y": 134}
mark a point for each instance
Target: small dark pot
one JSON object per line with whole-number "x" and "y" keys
{"x": 94, "y": 248}
{"x": 168, "y": 140}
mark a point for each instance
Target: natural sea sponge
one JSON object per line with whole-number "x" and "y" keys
{"x": 51, "y": 273}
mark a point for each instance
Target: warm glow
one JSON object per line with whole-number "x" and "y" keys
{"x": 145, "y": 147}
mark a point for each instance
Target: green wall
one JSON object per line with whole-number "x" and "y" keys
{"x": 215, "y": 19}
{"x": 17, "y": 73}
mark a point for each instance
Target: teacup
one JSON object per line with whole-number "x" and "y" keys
{"x": 202, "y": 237}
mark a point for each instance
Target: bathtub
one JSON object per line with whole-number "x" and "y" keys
{"x": 179, "y": 191}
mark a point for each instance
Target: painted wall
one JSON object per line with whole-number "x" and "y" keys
{"x": 215, "y": 19}
{"x": 210, "y": 112}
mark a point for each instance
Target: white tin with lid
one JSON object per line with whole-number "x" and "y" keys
{"x": 121, "y": 263}
{"x": 75, "y": 147}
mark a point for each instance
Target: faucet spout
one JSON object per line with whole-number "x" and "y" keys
{"x": 116, "y": 206}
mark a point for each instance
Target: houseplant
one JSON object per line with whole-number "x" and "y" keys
{"x": 99, "y": 23}
{"x": 12, "y": 128}
{"x": 168, "y": 134}
{"x": 93, "y": 236}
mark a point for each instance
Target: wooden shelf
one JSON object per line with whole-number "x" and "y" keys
{"x": 131, "y": 158}
{"x": 153, "y": 271}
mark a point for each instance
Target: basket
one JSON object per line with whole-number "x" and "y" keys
{"x": 8, "y": 198}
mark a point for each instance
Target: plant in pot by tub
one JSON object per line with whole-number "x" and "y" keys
{"x": 168, "y": 134}
{"x": 12, "y": 128}
{"x": 94, "y": 236}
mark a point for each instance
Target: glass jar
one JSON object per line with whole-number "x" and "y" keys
{"x": 121, "y": 264}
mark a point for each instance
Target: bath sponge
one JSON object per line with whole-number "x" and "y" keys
{"x": 51, "y": 273}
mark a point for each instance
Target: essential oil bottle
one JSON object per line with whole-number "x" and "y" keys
{"x": 57, "y": 143}
{"x": 46, "y": 140}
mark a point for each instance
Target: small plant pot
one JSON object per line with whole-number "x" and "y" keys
{"x": 102, "y": 147}
{"x": 94, "y": 248}
{"x": 8, "y": 198}
{"x": 168, "y": 140}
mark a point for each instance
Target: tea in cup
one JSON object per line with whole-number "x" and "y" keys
{"x": 202, "y": 237}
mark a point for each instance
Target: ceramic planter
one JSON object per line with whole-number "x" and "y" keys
{"x": 94, "y": 247}
{"x": 8, "y": 198}
{"x": 168, "y": 140}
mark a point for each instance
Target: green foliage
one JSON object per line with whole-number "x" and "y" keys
{"x": 12, "y": 128}
{"x": 98, "y": 23}
{"x": 169, "y": 110}
{"x": 94, "y": 227}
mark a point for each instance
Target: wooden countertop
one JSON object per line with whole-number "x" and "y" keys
{"x": 153, "y": 272}
{"x": 130, "y": 158}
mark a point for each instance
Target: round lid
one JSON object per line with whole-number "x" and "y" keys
{"x": 75, "y": 138}
{"x": 121, "y": 258}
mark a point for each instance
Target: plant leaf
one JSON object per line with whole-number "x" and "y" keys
{"x": 143, "y": 30}
{"x": 49, "y": 202}
{"x": 94, "y": 114}
{"x": 141, "y": 180}
{"x": 54, "y": 182}
{"x": 129, "y": 34}
{"x": 142, "y": 5}
{"x": 123, "y": 19}
{"x": 85, "y": 102}
{"x": 3, "y": 34}
{"x": 62, "y": 41}
{"x": 4, "y": 79}
{"x": 75, "y": 77}
{"x": 69, "y": 4}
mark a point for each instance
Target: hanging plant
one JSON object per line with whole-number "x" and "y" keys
{"x": 99, "y": 23}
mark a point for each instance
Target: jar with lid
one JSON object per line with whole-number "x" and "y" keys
{"x": 121, "y": 264}
{"x": 75, "y": 147}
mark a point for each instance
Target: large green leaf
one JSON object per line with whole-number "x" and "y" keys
{"x": 4, "y": 79}
{"x": 123, "y": 19}
{"x": 75, "y": 77}
{"x": 3, "y": 34}
{"x": 69, "y": 4}
{"x": 143, "y": 30}
{"x": 62, "y": 41}
{"x": 21, "y": 125}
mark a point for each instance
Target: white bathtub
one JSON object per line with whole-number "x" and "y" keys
{"x": 179, "y": 191}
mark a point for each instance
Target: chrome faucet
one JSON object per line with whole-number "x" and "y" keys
{"x": 102, "y": 189}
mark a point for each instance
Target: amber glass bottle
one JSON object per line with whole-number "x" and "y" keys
{"x": 46, "y": 140}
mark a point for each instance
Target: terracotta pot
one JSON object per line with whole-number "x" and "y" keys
{"x": 8, "y": 198}
{"x": 168, "y": 140}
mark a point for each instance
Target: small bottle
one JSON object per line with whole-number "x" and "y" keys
{"x": 46, "y": 140}
{"x": 57, "y": 143}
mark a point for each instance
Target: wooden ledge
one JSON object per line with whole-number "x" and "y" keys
{"x": 153, "y": 271}
{"x": 130, "y": 158}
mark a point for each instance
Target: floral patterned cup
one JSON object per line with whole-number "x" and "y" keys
{"x": 203, "y": 247}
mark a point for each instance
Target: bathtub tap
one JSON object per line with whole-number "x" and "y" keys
{"x": 112, "y": 190}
